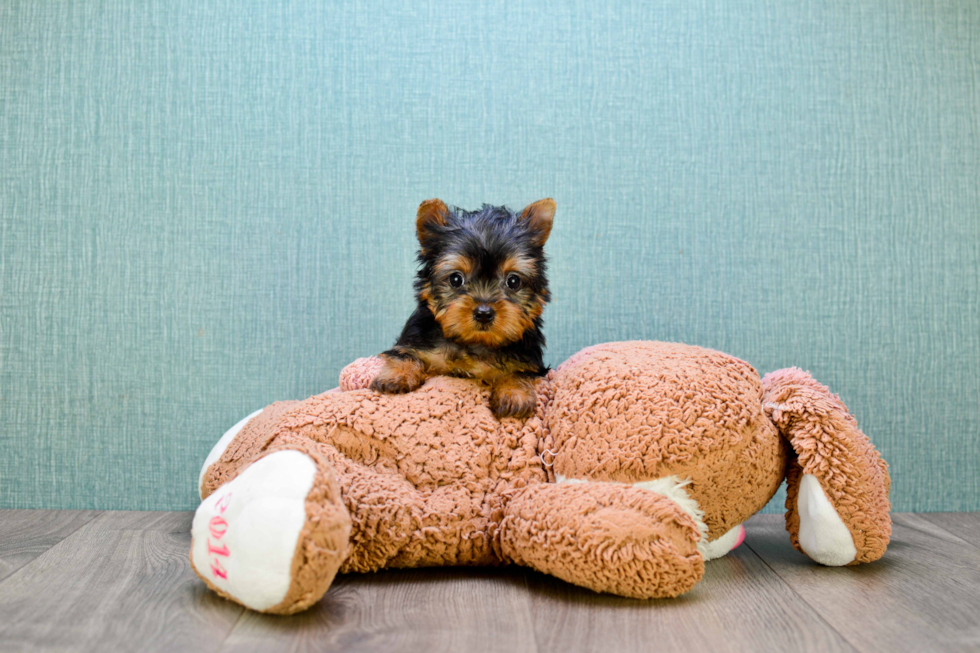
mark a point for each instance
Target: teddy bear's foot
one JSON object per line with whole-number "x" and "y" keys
{"x": 724, "y": 544}
{"x": 604, "y": 536}
{"x": 274, "y": 537}
{"x": 822, "y": 534}
{"x": 837, "y": 486}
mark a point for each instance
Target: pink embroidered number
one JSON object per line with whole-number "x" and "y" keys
{"x": 218, "y": 527}
{"x": 218, "y": 570}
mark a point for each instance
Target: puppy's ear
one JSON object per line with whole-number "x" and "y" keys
{"x": 431, "y": 215}
{"x": 539, "y": 217}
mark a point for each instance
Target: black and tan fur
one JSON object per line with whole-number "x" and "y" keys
{"x": 481, "y": 288}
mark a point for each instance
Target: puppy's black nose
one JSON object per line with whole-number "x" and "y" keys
{"x": 483, "y": 314}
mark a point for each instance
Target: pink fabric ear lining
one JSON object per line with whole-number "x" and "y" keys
{"x": 741, "y": 537}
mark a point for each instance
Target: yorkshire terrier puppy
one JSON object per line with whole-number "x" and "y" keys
{"x": 480, "y": 288}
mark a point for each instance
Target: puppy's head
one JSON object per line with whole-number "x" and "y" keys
{"x": 482, "y": 272}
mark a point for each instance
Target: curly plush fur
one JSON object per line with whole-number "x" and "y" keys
{"x": 641, "y": 461}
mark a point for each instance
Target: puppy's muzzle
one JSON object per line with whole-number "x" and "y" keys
{"x": 483, "y": 314}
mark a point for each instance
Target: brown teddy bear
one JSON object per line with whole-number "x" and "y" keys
{"x": 642, "y": 461}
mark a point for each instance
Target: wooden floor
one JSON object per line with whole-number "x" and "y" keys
{"x": 121, "y": 581}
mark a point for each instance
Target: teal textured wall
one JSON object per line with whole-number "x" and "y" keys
{"x": 208, "y": 206}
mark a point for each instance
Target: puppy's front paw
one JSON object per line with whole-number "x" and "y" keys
{"x": 398, "y": 375}
{"x": 513, "y": 397}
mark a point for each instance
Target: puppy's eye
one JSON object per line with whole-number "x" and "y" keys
{"x": 455, "y": 280}
{"x": 513, "y": 281}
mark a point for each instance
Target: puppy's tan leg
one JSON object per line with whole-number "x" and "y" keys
{"x": 513, "y": 396}
{"x": 399, "y": 374}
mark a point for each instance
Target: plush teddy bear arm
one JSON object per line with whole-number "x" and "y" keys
{"x": 359, "y": 374}
{"x": 606, "y": 537}
{"x": 837, "y": 483}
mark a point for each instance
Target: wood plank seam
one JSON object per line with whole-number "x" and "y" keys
{"x": 86, "y": 522}
{"x": 971, "y": 515}
{"x": 816, "y": 612}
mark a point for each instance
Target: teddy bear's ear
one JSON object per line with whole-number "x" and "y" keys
{"x": 432, "y": 214}
{"x": 539, "y": 217}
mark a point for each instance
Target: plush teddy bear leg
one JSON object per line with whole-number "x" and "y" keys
{"x": 387, "y": 512}
{"x": 237, "y": 442}
{"x": 837, "y": 485}
{"x": 242, "y": 444}
{"x": 273, "y": 537}
{"x": 216, "y": 452}
{"x": 604, "y": 536}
